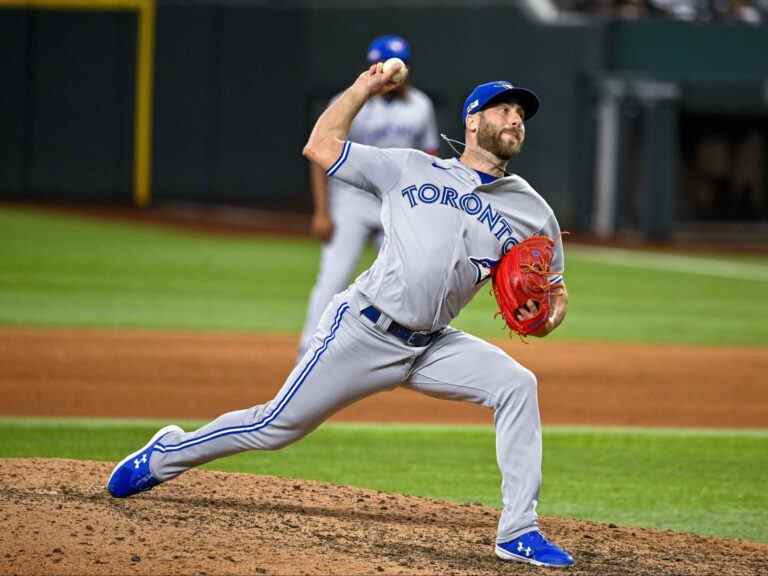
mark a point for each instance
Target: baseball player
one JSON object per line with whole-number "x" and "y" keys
{"x": 345, "y": 218}
{"x": 445, "y": 223}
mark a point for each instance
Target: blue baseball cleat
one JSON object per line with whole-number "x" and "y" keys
{"x": 132, "y": 475}
{"x": 533, "y": 548}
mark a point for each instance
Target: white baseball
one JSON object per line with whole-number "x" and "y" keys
{"x": 401, "y": 74}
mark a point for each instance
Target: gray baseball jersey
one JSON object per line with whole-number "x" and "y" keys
{"x": 407, "y": 122}
{"x": 444, "y": 230}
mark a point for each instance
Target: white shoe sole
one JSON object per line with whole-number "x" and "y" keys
{"x": 504, "y": 555}
{"x": 159, "y": 434}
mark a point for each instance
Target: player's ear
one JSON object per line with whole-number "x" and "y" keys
{"x": 472, "y": 121}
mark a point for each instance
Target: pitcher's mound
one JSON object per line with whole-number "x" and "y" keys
{"x": 58, "y": 519}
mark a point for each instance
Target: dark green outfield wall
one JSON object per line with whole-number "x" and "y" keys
{"x": 230, "y": 105}
{"x": 66, "y": 104}
{"x": 262, "y": 76}
{"x": 237, "y": 89}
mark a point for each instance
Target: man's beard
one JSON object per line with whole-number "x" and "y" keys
{"x": 489, "y": 138}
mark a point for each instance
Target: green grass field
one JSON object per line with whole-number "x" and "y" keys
{"x": 57, "y": 270}
{"x": 67, "y": 271}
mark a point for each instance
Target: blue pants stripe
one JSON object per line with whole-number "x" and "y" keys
{"x": 294, "y": 387}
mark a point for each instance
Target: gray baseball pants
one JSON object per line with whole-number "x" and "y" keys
{"x": 350, "y": 358}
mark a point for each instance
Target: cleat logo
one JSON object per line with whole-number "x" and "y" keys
{"x": 137, "y": 462}
{"x": 525, "y": 550}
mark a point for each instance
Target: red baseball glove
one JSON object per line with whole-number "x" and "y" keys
{"x": 523, "y": 274}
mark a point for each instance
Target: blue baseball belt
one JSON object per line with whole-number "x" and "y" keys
{"x": 410, "y": 337}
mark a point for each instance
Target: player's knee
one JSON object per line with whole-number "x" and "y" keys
{"x": 521, "y": 385}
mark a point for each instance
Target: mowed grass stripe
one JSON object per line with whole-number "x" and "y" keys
{"x": 701, "y": 481}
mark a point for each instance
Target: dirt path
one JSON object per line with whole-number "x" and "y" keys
{"x": 134, "y": 373}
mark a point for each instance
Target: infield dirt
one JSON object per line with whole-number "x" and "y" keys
{"x": 197, "y": 375}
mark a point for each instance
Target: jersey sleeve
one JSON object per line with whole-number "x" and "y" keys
{"x": 552, "y": 229}
{"x": 373, "y": 169}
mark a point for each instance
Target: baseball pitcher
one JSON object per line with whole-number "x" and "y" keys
{"x": 447, "y": 223}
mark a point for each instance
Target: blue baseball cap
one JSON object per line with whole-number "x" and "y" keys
{"x": 489, "y": 92}
{"x": 389, "y": 46}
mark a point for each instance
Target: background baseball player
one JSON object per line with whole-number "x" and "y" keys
{"x": 445, "y": 223}
{"x": 344, "y": 218}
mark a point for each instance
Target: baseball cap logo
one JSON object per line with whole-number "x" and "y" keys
{"x": 374, "y": 54}
{"x": 396, "y": 45}
{"x": 472, "y": 105}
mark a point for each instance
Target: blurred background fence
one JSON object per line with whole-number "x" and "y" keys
{"x": 652, "y": 126}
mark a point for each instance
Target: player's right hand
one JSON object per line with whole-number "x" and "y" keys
{"x": 376, "y": 81}
{"x": 322, "y": 227}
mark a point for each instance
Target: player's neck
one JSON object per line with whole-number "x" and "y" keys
{"x": 484, "y": 161}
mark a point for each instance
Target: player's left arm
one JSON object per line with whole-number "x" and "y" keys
{"x": 326, "y": 141}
